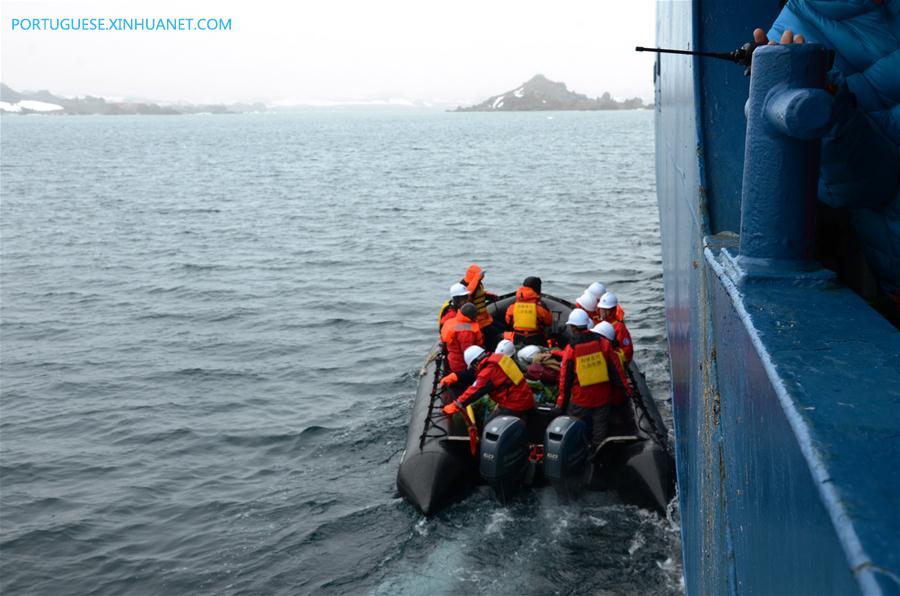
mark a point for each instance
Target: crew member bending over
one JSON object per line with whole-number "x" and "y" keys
{"x": 499, "y": 377}
{"x": 541, "y": 371}
{"x": 528, "y": 317}
{"x": 467, "y": 377}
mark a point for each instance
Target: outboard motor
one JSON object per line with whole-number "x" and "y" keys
{"x": 566, "y": 455}
{"x": 504, "y": 455}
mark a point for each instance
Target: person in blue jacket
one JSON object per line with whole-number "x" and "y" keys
{"x": 860, "y": 156}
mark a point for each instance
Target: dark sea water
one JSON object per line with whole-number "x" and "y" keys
{"x": 211, "y": 332}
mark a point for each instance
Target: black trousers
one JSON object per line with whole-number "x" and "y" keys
{"x": 596, "y": 419}
{"x": 493, "y": 333}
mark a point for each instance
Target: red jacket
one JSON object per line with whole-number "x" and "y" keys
{"x": 622, "y": 336}
{"x": 597, "y": 394}
{"x": 619, "y": 391}
{"x": 459, "y": 333}
{"x": 590, "y": 368}
{"x": 526, "y": 319}
{"x": 508, "y": 389}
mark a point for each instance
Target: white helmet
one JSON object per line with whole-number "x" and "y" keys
{"x": 527, "y": 354}
{"x": 609, "y": 300}
{"x": 472, "y": 354}
{"x": 605, "y": 329}
{"x": 587, "y": 301}
{"x": 597, "y": 289}
{"x": 458, "y": 290}
{"x": 578, "y": 318}
{"x": 506, "y": 347}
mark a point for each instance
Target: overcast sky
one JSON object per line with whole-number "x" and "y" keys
{"x": 279, "y": 51}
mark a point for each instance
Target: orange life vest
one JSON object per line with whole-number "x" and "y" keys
{"x": 477, "y": 296}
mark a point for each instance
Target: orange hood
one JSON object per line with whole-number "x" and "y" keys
{"x": 525, "y": 294}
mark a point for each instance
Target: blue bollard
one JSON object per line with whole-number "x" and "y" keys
{"x": 788, "y": 111}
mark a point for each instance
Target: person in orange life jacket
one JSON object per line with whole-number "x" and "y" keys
{"x": 607, "y": 310}
{"x": 493, "y": 330}
{"x": 458, "y": 334}
{"x": 498, "y": 376}
{"x": 588, "y": 303}
{"x": 598, "y": 289}
{"x": 622, "y": 388}
{"x": 528, "y": 317}
{"x": 473, "y": 281}
{"x": 459, "y": 294}
{"x": 584, "y": 380}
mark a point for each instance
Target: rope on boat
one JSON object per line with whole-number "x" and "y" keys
{"x": 655, "y": 433}
{"x": 430, "y": 416}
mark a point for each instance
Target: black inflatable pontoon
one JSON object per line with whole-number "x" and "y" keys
{"x": 438, "y": 464}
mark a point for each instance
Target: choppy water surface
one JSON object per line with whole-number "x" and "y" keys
{"x": 211, "y": 329}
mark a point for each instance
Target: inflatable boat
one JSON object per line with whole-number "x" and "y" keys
{"x": 445, "y": 456}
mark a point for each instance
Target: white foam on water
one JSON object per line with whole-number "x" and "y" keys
{"x": 636, "y": 543}
{"x": 443, "y": 566}
{"x": 499, "y": 518}
{"x": 597, "y": 521}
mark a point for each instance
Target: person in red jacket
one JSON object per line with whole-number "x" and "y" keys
{"x": 528, "y": 317}
{"x": 607, "y": 334}
{"x": 598, "y": 289}
{"x": 608, "y": 307}
{"x": 460, "y": 333}
{"x": 499, "y": 377}
{"x": 585, "y": 387}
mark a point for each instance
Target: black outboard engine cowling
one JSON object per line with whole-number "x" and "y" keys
{"x": 566, "y": 455}
{"x": 504, "y": 455}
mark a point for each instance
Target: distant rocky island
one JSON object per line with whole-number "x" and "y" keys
{"x": 540, "y": 93}
{"x": 44, "y": 102}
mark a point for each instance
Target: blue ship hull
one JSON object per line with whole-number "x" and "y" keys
{"x": 786, "y": 385}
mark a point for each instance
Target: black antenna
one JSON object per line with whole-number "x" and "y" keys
{"x": 743, "y": 55}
